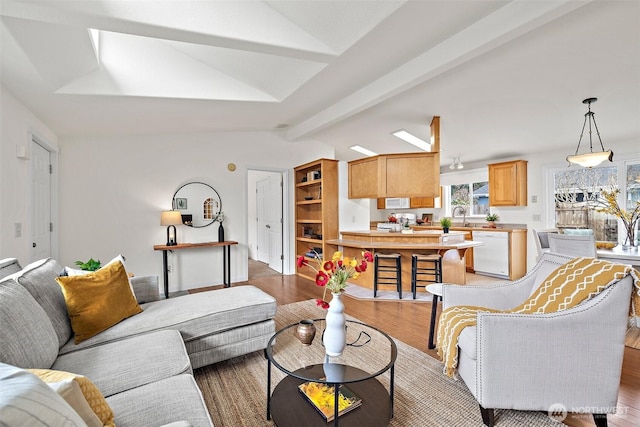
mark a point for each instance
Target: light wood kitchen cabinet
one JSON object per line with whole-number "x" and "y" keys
{"x": 508, "y": 183}
{"x": 416, "y": 202}
{"x": 426, "y": 202}
{"x": 395, "y": 175}
{"x": 363, "y": 178}
{"x": 316, "y": 199}
{"x": 468, "y": 256}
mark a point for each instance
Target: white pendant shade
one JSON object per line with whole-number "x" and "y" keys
{"x": 589, "y": 160}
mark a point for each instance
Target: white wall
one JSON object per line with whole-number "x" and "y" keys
{"x": 353, "y": 214}
{"x": 16, "y": 122}
{"x": 112, "y": 191}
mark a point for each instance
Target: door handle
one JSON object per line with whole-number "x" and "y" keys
{"x": 268, "y": 226}
{"x": 34, "y": 244}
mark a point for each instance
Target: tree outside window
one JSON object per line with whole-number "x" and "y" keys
{"x": 474, "y": 195}
{"x": 633, "y": 186}
{"x": 577, "y": 192}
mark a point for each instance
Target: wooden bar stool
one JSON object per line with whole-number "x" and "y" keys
{"x": 387, "y": 270}
{"x": 425, "y": 269}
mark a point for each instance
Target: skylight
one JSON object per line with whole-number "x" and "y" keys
{"x": 94, "y": 35}
{"x": 363, "y": 150}
{"x": 412, "y": 139}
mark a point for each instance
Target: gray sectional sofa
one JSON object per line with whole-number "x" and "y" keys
{"x": 143, "y": 365}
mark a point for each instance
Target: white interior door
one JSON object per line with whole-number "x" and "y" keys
{"x": 262, "y": 220}
{"x": 40, "y": 202}
{"x": 274, "y": 229}
{"x": 269, "y": 221}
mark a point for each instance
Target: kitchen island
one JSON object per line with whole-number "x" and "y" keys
{"x": 451, "y": 246}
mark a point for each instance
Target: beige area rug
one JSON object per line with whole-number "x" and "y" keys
{"x": 235, "y": 390}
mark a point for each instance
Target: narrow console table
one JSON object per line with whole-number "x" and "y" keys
{"x": 226, "y": 259}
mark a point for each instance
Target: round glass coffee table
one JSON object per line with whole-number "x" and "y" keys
{"x": 369, "y": 353}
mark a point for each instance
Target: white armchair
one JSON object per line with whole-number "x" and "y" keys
{"x": 537, "y": 362}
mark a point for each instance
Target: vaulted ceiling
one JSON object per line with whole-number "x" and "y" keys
{"x": 506, "y": 77}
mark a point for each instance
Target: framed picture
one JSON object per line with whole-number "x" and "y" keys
{"x": 181, "y": 203}
{"x": 427, "y": 218}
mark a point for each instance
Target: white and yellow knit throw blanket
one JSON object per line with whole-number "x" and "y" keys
{"x": 569, "y": 285}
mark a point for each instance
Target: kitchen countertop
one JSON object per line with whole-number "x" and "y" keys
{"x": 471, "y": 228}
{"x": 403, "y": 245}
{"x": 417, "y": 233}
{"x": 457, "y": 226}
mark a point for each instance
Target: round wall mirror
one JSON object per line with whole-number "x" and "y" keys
{"x": 198, "y": 203}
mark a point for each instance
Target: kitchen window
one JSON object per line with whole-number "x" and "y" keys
{"x": 474, "y": 195}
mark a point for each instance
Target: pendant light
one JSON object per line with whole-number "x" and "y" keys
{"x": 591, "y": 159}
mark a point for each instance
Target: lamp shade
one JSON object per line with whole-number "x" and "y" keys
{"x": 170, "y": 218}
{"x": 589, "y": 160}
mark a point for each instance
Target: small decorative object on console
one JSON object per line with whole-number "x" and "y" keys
{"x": 220, "y": 218}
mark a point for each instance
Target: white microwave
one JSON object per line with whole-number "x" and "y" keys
{"x": 396, "y": 203}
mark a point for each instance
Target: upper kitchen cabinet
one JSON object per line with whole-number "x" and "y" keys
{"x": 395, "y": 175}
{"x": 426, "y": 202}
{"x": 508, "y": 183}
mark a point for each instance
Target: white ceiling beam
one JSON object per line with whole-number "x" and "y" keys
{"x": 507, "y": 23}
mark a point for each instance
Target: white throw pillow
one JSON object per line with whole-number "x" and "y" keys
{"x": 25, "y": 401}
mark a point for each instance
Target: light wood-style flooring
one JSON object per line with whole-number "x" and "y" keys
{"x": 409, "y": 322}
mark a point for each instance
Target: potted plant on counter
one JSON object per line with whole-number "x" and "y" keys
{"x": 446, "y": 224}
{"x": 491, "y": 220}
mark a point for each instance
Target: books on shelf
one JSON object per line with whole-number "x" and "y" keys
{"x": 314, "y": 253}
{"x": 322, "y": 398}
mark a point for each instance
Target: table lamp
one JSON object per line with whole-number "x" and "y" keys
{"x": 171, "y": 219}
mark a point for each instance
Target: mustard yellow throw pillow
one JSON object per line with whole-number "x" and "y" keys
{"x": 96, "y": 301}
{"x": 81, "y": 394}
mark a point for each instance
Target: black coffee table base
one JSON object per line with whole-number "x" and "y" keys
{"x": 290, "y": 408}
